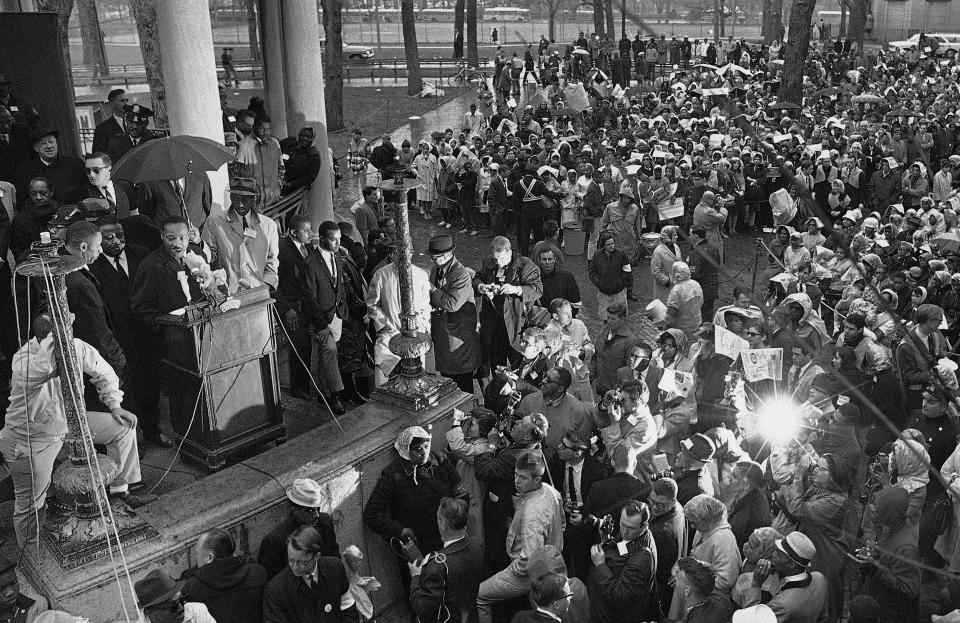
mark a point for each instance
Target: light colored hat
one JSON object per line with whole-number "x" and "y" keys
{"x": 305, "y": 492}
{"x": 760, "y": 613}
{"x": 798, "y": 547}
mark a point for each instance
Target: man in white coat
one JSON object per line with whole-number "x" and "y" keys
{"x": 383, "y": 303}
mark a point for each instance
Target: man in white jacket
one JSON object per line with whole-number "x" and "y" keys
{"x": 36, "y": 425}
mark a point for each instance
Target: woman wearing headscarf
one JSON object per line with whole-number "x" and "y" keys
{"x": 759, "y": 546}
{"x": 713, "y": 543}
{"x": 817, "y": 502}
{"x": 623, "y": 220}
{"x": 673, "y": 412}
{"x": 447, "y": 192}
{"x": 662, "y": 261}
{"x": 684, "y": 301}
{"x": 403, "y": 504}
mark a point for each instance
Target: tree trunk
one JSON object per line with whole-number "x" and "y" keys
{"x": 858, "y": 20}
{"x": 552, "y": 22}
{"x": 611, "y": 27}
{"x": 414, "y": 84}
{"x": 598, "y": 18}
{"x": 333, "y": 63}
{"x": 795, "y": 54}
{"x": 63, "y": 9}
{"x": 458, "y": 12}
{"x": 473, "y": 54}
{"x": 253, "y": 32}
{"x": 145, "y": 15}
{"x": 716, "y": 25}
{"x": 93, "y": 52}
{"x": 772, "y": 24}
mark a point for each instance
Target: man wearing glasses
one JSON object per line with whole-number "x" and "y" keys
{"x": 100, "y": 185}
{"x": 327, "y": 595}
{"x": 637, "y": 362}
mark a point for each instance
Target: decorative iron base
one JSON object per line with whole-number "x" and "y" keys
{"x": 75, "y": 541}
{"x": 414, "y": 393}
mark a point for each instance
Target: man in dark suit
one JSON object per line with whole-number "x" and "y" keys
{"x": 100, "y": 185}
{"x": 189, "y": 197}
{"x": 301, "y": 161}
{"x": 324, "y": 306}
{"x": 14, "y": 147}
{"x": 64, "y": 173}
{"x": 444, "y": 585}
{"x": 550, "y": 594}
{"x": 751, "y": 510}
{"x": 160, "y": 286}
{"x": 592, "y": 209}
{"x": 115, "y": 269}
{"x": 573, "y": 471}
{"x": 115, "y": 125}
{"x": 295, "y": 247}
{"x": 310, "y": 587}
{"x": 610, "y": 495}
{"x": 93, "y": 323}
{"x": 137, "y": 118}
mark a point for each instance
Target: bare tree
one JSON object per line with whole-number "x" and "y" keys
{"x": 145, "y": 15}
{"x": 795, "y": 54}
{"x": 598, "y": 17}
{"x": 858, "y": 20}
{"x": 333, "y": 62}
{"x": 661, "y": 7}
{"x": 459, "y": 10}
{"x": 253, "y": 33}
{"x": 553, "y": 7}
{"x": 608, "y": 11}
{"x": 63, "y": 9}
{"x": 473, "y": 55}
{"x": 771, "y": 26}
{"x": 414, "y": 83}
{"x": 93, "y": 53}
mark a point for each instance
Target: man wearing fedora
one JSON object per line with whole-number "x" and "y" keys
{"x": 160, "y": 599}
{"x": 137, "y": 118}
{"x": 242, "y": 241}
{"x": 65, "y": 174}
{"x": 453, "y": 324}
{"x": 786, "y": 584}
{"x": 305, "y": 497}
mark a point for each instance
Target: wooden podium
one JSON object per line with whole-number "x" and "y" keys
{"x": 221, "y": 374}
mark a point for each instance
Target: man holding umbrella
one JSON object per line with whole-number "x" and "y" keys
{"x": 243, "y": 242}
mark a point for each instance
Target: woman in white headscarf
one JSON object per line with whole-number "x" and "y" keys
{"x": 684, "y": 301}
{"x": 662, "y": 261}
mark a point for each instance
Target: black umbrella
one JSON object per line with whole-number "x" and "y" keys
{"x": 171, "y": 159}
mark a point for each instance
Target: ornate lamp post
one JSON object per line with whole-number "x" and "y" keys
{"x": 413, "y": 389}
{"x": 78, "y": 523}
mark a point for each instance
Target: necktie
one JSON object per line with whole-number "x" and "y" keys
{"x": 303, "y": 250}
{"x": 796, "y": 378}
{"x": 571, "y": 486}
{"x": 245, "y": 225}
{"x": 931, "y": 347}
{"x": 106, "y": 194}
{"x": 333, "y": 268}
{"x": 120, "y": 270}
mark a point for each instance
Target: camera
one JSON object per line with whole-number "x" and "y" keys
{"x": 605, "y": 528}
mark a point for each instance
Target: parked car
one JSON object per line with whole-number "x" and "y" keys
{"x": 949, "y": 44}
{"x": 353, "y": 52}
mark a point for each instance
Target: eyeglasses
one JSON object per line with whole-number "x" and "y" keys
{"x": 96, "y": 170}
{"x": 637, "y": 356}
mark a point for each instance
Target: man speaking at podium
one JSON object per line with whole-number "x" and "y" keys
{"x": 36, "y": 425}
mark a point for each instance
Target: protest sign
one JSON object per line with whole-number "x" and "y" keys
{"x": 728, "y": 343}
{"x": 676, "y": 382}
{"x": 762, "y": 363}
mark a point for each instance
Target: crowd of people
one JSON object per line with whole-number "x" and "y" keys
{"x": 787, "y": 455}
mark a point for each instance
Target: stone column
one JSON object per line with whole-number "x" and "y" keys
{"x": 271, "y": 39}
{"x": 303, "y": 75}
{"x": 190, "y": 77}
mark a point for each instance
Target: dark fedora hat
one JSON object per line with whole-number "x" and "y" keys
{"x": 155, "y": 588}
{"x": 246, "y": 186}
{"x": 40, "y": 132}
{"x": 442, "y": 243}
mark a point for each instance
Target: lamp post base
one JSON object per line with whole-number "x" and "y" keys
{"x": 414, "y": 393}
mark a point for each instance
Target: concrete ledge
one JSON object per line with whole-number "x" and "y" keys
{"x": 248, "y": 499}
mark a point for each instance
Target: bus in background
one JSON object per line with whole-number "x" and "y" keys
{"x": 435, "y": 15}
{"x": 505, "y": 14}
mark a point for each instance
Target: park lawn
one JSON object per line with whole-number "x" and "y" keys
{"x": 378, "y": 110}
